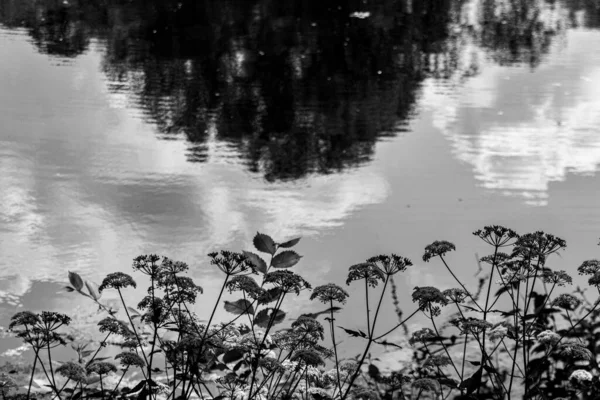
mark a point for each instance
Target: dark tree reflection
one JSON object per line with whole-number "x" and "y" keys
{"x": 290, "y": 87}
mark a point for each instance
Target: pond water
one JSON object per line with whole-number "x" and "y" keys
{"x": 366, "y": 127}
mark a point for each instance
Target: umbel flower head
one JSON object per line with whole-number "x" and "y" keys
{"x": 427, "y": 297}
{"x": 437, "y": 248}
{"x": 455, "y": 295}
{"x": 426, "y": 384}
{"x": 310, "y": 357}
{"x": 558, "y": 278}
{"x": 246, "y": 284}
{"x": 392, "y": 264}
{"x": 73, "y": 371}
{"x": 179, "y": 288}
{"x": 147, "y": 264}
{"x": 496, "y": 235}
{"x": 329, "y": 293}
{"x": 589, "y": 267}
{"x": 368, "y": 271}
{"x": 117, "y": 280}
{"x": 23, "y": 318}
{"x": 128, "y": 359}
{"x": 231, "y": 263}
{"x": 537, "y": 245}
{"x": 309, "y": 327}
{"x": 566, "y": 301}
{"x": 102, "y": 368}
{"x": 287, "y": 281}
{"x": 575, "y": 351}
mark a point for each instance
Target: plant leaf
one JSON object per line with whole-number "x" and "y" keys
{"x": 93, "y": 290}
{"x": 75, "y": 280}
{"x": 232, "y": 355}
{"x": 354, "y": 333}
{"x": 290, "y": 243}
{"x": 69, "y": 289}
{"x": 270, "y": 295}
{"x": 264, "y": 243}
{"x": 239, "y": 307}
{"x": 257, "y": 261}
{"x": 286, "y": 259}
{"x": 264, "y": 316}
{"x": 473, "y": 382}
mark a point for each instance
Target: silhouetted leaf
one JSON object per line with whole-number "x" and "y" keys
{"x": 270, "y": 295}
{"x": 75, "y": 280}
{"x": 286, "y": 259}
{"x": 355, "y": 333}
{"x": 290, "y": 243}
{"x": 257, "y": 261}
{"x": 374, "y": 372}
{"x": 386, "y": 343}
{"x": 265, "y": 315}
{"x": 232, "y": 355}
{"x": 264, "y": 243}
{"x": 239, "y": 307}
{"x": 472, "y": 383}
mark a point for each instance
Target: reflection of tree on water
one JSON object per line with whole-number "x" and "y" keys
{"x": 292, "y": 87}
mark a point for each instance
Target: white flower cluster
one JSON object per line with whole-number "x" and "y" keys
{"x": 581, "y": 375}
{"x": 548, "y": 337}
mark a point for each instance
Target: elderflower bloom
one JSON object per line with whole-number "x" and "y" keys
{"x": 581, "y": 375}
{"x": 548, "y": 337}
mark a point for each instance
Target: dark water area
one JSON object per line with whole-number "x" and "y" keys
{"x": 183, "y": 127}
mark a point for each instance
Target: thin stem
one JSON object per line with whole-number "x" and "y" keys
{"x": 32, "y": 373}
{"x": 460, "y": 283}
{"x": 337, "y": 363}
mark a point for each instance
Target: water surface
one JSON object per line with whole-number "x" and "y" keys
{"x": 183, "y": 127}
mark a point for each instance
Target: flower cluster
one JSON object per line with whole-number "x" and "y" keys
{"x": 367, "y": 271}
{"x": 421, "y": 336}
{"x": 130, "y": 359}
{"x": 437, "y": 248}
{"x": 455, "y": 295}
{"x": 287, "y": 281}
{"x": 390, "y": 265}
{"x": 231, "y": 263}
{"x": 179, "y": 289}
{"x": 474, "y": 326}
{"x": 558, "y": 278}
{"x": 427, "y": 297}
{"x": 101, "y": 368}
{"x": 574, "y": 350}
{"x": 548, "y": 338}
{"x": 537, "y": 245}
{"x": 329, "y": 293}
{"x": 246, "y": 284}
{"x": 496, "y": 235}
{"x": 116, "y": 280}
{"x": 566, "y": 301}
{"x": 73, "y": 371}
{"x": 147, "y": 264}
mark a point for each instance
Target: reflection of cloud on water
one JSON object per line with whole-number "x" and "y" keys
{"x": 518, "y": 145}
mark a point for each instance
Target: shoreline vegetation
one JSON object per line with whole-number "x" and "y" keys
{"x": 518, "y": 335}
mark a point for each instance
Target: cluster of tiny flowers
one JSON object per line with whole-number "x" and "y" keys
{"x": 246, "y": 284}
{"x": 117, "y": 280}
{"x": 428, "y": 296}
{"x": 390, "y": 265}
{"x": 474, "y": 326}
{"x": 130, "y": 359}
{"x": 437, "y": 248}
{"x": 589, "y": 267}
{"x": 580, "y": 376}
{"x": 455, "y": 295}
{"x": 566, "y": 301}
{"x": 231, "y": 263}
{"x": 426, "y": 384}
{"x": 73, "y": 371}
{"x": 496, "y": 235}
{"x": 329, "y": 293}
{"x": 287, "y": 281}
{"x": 574, "y": 350}
{"x": 367, "y": 271}
{"x": 559, "y": 278}
{"x": 436, "y": 361}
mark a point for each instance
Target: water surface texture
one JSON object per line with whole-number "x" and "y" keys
{"x": 366, "y": 127}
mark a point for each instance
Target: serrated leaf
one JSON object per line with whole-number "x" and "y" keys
{"x": 75, "y": 280}
{"x": 239, "y": 307}
{"x": 93, "y": 290}
{"x": 286, "y": 259}
{"x": 268, "y": 314}
{"x": 264, "y": 243}
{"x": 257, "y": 261}
{"x": 270, "y": 295}
{"x": 289, "y": 243}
